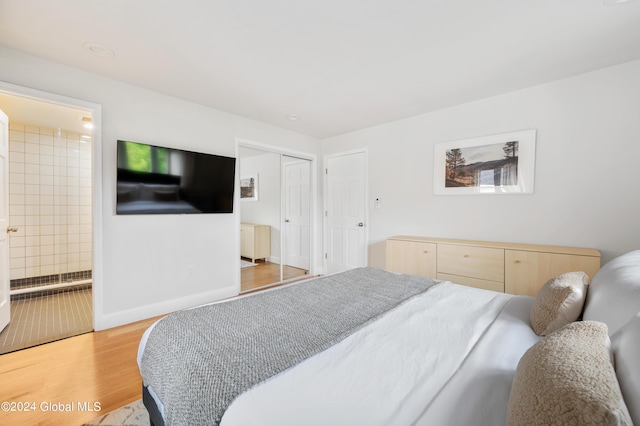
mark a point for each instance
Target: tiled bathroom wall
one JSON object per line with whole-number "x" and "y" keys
{"x": 49, "y": 201}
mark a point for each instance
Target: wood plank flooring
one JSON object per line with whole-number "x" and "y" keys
{"x": 74, "y": 374}
{"x": 78, "y": 372}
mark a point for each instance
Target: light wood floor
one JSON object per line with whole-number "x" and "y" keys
{"x": 98, "y": 367}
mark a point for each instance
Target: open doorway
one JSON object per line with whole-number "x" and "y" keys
{"x": 275, "y": 217}
{"x": 49, "y": 221}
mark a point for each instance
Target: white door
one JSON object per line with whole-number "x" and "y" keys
{"x": 5, "y": 298}
{"x": 346, "y": 239}
{"x": 297, "y": 242}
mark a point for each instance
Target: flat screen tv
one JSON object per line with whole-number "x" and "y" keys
{"x": 157, "y": 180}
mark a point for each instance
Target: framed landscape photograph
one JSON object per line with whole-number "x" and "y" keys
{"x": 249, "y": 187}
{"x": 496, "y": 164}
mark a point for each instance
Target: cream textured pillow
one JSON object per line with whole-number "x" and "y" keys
{"x": 559, "y": 302}
{"x": 567, "y": 379}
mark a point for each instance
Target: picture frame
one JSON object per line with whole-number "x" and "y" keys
{"x": 249, "y": 187}
{"x": 495, "y": 164}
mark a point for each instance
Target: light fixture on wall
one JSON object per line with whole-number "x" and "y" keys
{"x": 87, "y": 122}
{"x": 293, "y": 117}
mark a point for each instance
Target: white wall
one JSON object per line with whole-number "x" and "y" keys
{"x": 266, "y": 210}
{"x": 146, "y": 258}
{"x": 586, "y": 174}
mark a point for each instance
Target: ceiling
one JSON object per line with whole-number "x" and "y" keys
{"x": 341, "y": 65}
{"x": 44, "y": 114}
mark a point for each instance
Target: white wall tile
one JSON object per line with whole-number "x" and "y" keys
{"x": 46, "y": 166}
{"x": 31, "y": 137}
{"x": 16, "y": 136}
{"x": 17, "y": 274}
{"x": 16, "y": 157}
{"x": 16, "y": 241}
{"x": 32, "y": 148}
{"x": 15, "y": 146}
{"x": 16, "y": 188}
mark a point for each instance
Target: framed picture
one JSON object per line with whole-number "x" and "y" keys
{"x": 249, "y": 187}
{"x": 497, "y": 164}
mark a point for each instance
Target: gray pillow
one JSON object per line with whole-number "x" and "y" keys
{"x": 614, "y": 292}
{"x": 626, "y": 353}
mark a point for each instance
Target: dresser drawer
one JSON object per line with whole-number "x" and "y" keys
{"x": 473, "y": 262}
{"x": 473, "y": 282}
{"x": 412, "y": 257}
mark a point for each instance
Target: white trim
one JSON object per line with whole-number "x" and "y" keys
{"x": 325, "y": 236}
{"x": 148, "y": 311}
{"x": 246, "y": 143}
{"x": 96, "y": 114}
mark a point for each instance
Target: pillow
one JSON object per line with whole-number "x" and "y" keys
{"x": 559, "y": 302}
{"x": 567, "y": 379}
{"x": 614, "y": 292}
{"x": 626, "y": 353}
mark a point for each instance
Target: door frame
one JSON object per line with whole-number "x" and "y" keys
{"x": 247, "y": 143}
{"x": 325, "y": 238}
{"x": 96, "y": 190}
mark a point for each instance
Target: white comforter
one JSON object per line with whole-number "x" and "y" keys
{"x": 445, "y": 357}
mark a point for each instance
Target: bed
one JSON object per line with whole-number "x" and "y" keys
{"x": 370, "y": 347}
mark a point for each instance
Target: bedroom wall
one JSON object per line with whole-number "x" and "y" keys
{"x": 586, "y": 171}
{"x": 147, "y": 259}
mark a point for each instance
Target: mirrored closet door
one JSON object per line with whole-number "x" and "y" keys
{"x": 275, "y": 216}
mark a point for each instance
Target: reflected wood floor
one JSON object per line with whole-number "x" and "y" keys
{"x": 265, "y": 273}
{"x": 97, "y": 367}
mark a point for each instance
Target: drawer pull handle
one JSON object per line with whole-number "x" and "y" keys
{"x": 426, "y": 251}
{"x": 517, "y": 261}
{"x": 466, "y": 255}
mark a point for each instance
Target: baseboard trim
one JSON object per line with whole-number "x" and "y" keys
{"x": 148, "y": 311}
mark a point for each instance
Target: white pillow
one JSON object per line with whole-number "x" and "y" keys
{"x": 614, "y": 292}
{"x": 567, "y": 379}
{"x": 626, "y": 353}
{"x": 559, "y": 302}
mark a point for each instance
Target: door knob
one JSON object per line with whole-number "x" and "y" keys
{"x": 361, "y": 225}
{"x": 12, "y": 229}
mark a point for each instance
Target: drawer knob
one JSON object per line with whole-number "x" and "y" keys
{"x": 517, "y": 261}
{"x": 426, "y": 251}
{"x": 466, "y": 255}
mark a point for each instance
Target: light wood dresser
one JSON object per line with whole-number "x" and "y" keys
{"x": 505, "y": 267}
{"x": 255, "y": 241}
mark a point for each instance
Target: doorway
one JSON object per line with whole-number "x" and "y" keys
{"x": 50, "y": 221}
{"x": 346, "y": 219}
{"x": 275, "y": 216}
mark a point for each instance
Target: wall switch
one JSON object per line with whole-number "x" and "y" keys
{"x": 377, "y": 204}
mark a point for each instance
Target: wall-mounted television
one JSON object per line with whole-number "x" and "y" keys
{"x": 157, "y": 180}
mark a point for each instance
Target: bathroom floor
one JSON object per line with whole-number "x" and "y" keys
{"x": 44, "y": 319}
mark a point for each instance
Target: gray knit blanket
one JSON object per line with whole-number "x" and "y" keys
{"x": 199, "y": 360}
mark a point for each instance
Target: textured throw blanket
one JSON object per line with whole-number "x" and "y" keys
{"x": 199, "y": 360}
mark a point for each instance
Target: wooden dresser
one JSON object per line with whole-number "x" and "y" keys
{"x": 255, "y": 241}
{"x": 506, "y": 267}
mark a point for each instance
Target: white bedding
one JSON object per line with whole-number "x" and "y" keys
{"x": 445, "y": 357}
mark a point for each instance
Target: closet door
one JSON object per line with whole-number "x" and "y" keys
{"x": 297, "y": 231}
